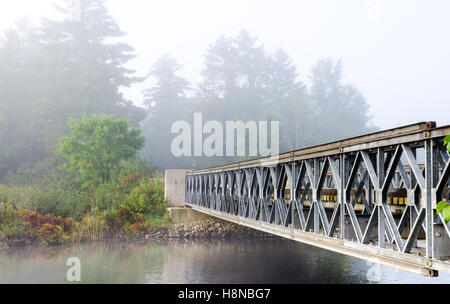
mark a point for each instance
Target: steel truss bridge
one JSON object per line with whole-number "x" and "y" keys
{"x": 372, "y": 197}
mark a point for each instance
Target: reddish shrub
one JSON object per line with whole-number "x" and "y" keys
{"x": 37, "y": 221}
{"x": 50, "y": 233}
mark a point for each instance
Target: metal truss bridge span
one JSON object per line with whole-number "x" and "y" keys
{"x": 372, "y": 197}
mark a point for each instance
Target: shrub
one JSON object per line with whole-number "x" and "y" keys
{"x": 112, "y": 219}
{"x": 132, "y": 173}
{"x": 59, "y": 201}
{"x": 51, "y": 234}
{"x": 18, "y": 196}
{"x": 36, "y": 221}
{"x": 106, "y": 196}
{"x": 16, "y": 225}
{"x": 91, "y": 227}
{"x": 47, "y": 198}
{"x": 145, "y": 200}
{"x": 138, "y": 228}
{"x": 12, "y": 227}
{"x": 131, "y": 202}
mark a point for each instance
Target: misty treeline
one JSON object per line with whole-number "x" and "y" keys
{"x": 241, "y": 81}
{"x": 72, "y": 68}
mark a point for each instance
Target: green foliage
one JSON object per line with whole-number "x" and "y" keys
{"x": 98, "y": 146}
{"x": 91, "y": 227}
{"x": 443, "y": 206}
{"x": 142, "y": 208}
{"x": 46, "y": 168}
{"x": 132, "y": 173}
{"x": 134, "y": 208}
{"x": 51, "y": 234}
{"x": 57, "y": 70}
{"x": 106, "y": 196}
{"x": 145, "y": 200}
{"x": 47, "y": 197}
{"x": 17, "y": 195}
{"x": 132, "y": 203}
{"x": 447, "y": 142}
{"x": 12, "y": 227}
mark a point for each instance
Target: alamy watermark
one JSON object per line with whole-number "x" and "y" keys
{"x": 249, "y": 138}
{"x": 73, "y": 274}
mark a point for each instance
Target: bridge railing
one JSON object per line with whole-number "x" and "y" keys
{"x": 288, "y": 190}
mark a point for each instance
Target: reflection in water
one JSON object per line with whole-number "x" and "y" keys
{"x": 219, "y": 261}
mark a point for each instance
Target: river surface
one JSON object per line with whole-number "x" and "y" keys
{"x": 212, "y": 261}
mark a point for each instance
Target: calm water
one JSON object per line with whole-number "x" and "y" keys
{"x": 224, "y": 261}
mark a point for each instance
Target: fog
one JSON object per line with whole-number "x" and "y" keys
{"x": 395, "y": 52}
{"x": 325, "y": 69}
{"x": 99, "y": 98}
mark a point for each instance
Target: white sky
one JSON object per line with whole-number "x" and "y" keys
{"x": 396, "y": 52}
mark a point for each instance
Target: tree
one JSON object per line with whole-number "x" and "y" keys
{"x": 283, "y": 76}
{"x": 89, "y": 70}
{"x": 340, "y": 110}
{"x": 61, "y": 69}
{"x": 169, "y": 89}
{"x": 290, "y": 102}
{"x": 98, "y": 146}
{"x": 242, "y": 81}
{"x": 84, "y": 68}
{"x": 220, "y": 74}
{"x": 19, "y": 101}
{"x": 233, "y": 88}
{"x": 166, "y": 103}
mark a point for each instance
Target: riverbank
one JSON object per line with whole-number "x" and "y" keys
{"x": 203, "y": 230}
{"x": 208, "y": 229}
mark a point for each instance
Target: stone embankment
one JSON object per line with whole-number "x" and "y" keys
{"x": 208, "y": 229}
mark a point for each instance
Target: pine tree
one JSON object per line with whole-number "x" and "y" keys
{"x": 341, "y": 110}
{"x": 19, "y": 54}
{"x": 89, "y": 70}
{"x": 166, "y": 103}
{"x": 65, "y": 68}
